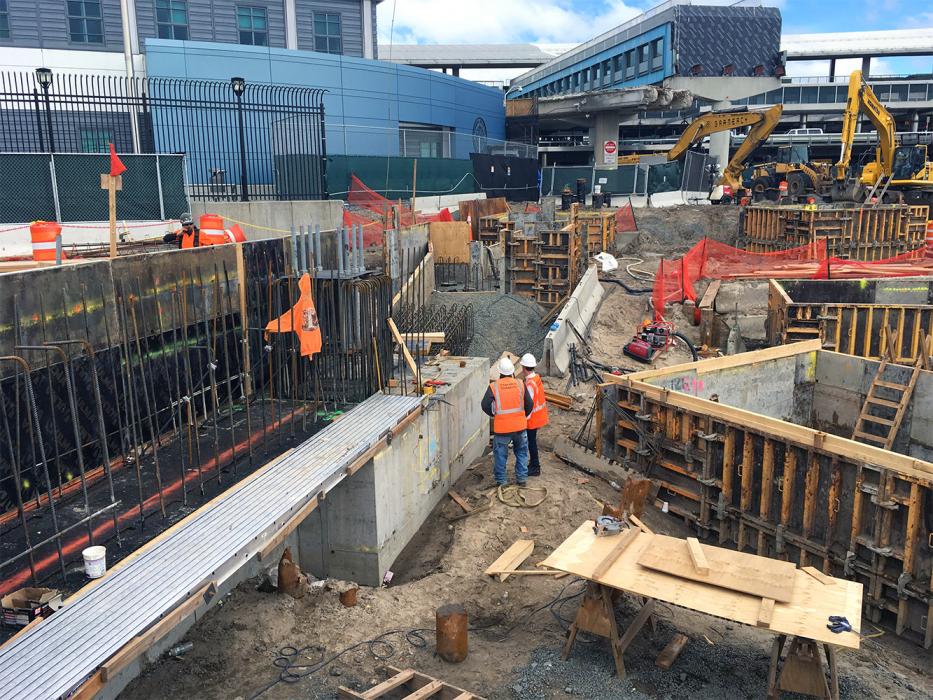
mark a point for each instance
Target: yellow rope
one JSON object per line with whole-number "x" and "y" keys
{"x": 517, "y": 496}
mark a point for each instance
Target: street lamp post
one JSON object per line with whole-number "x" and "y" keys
{"x": 239, "y": 87}
{"x": 514, "y": 88}
{"x": 44, "y": 78}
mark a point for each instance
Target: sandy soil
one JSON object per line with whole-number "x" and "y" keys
{"x": 674, "y": 230}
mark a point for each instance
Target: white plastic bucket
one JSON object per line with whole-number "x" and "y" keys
{"x": 95, "y": 561}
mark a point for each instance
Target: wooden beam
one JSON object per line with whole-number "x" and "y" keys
{"x": 669, "y": 654}
{"x": 409, "y": 360}
{"x": 697, "y": 556}
{"x": 460, "y": 501}
{"x": 765, "y": 612}
{"x": 625, "y": 539}
{"x": 511, "y": 559}
{"x": 818, "y": 575}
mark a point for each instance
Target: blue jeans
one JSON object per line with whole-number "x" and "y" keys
{"x": 500, "y": 451}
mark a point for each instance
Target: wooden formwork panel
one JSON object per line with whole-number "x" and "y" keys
{"x": 851, "y": 328}
{"x": 854, "y": 233}
{"x": 791, "y": 498}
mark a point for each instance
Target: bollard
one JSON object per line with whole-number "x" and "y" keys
{"x": 451, "y": 620}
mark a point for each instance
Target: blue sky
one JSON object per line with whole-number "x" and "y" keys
{"x": 569, "y": 22}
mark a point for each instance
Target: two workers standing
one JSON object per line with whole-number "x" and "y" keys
{"x": 518, "y": 408}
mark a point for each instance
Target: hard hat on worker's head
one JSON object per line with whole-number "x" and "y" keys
{"x": 506, "y": 367}
{"x": 186, "y": 219}
{"x": 529, "y": 361}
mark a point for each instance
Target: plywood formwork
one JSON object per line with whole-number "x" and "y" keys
{"x": 849, "y": 315}
{"x": 773, "y": 486}
{"x": 597, "y": 227}
{"x": 854, "y": 233}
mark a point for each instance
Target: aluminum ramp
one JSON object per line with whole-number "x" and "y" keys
{"x": 54, "y": 658}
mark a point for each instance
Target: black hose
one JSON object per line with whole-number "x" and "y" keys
{"x": 630, "y": 290}
{"x": 693, "y": 350}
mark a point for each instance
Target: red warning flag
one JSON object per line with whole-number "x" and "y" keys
{"x": 116, "y": 165}
{"x": 302, "y": 319}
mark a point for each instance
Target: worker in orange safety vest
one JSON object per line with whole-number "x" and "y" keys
{"x": 538, "y": 418}
{"x": 509, "y": 404}
{"x": 187, "y": 236}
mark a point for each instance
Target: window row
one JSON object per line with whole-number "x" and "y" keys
{"x": 631, "y": 64}
{"x": 86, "y": 24}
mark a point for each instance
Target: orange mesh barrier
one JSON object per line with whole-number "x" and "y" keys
{"x": 625, "y": 219}
{"x": 675, "y": 280}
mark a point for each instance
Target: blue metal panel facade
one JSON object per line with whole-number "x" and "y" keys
{"x": 619, "y": 66}
{"x": 365, "y": 100}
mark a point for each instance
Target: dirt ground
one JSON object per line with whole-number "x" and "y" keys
{"x": 518, "y": 626}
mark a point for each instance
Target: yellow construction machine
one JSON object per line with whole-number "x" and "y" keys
{"x": 762, "y": 123}
{"x": 897, "y": 173}
{"x": 803, "y": 176}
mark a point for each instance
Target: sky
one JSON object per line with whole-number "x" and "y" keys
{"x": 575, "y": 21}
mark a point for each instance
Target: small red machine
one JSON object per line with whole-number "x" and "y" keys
{"x": 651, "y": 339}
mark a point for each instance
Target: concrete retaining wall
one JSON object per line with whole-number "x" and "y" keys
{"x": 366, "y": 521}
{"x": 578, "y": 311}
{"x": 260, "y": 216}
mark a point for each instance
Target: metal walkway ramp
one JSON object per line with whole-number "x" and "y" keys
{"x": 75, "y": 641}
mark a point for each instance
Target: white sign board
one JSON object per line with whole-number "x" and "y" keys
{"x": 610, "y": 152}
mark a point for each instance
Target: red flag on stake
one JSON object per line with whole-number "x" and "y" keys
{"x": 116, "y": 165}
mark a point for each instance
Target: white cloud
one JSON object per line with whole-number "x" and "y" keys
{"x": 496, "y": 21}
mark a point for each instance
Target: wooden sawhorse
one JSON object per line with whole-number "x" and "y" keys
{"x": 801, "y": 670}
{"x": 596, "y": 615}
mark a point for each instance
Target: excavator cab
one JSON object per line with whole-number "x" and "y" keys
{"x": 908, "y": 162}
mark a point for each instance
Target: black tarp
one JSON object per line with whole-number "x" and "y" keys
{"x": 511, "y": 177}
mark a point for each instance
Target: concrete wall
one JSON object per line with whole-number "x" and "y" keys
{"x": 327, "y": 214}
{"x": 781, "y": 388}
{"x": 366, "y": 521}
{"x": 842, "y": 383}
{"x": 579, "y": 311}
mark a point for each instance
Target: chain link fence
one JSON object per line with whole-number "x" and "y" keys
{"x": 65, "y": 187}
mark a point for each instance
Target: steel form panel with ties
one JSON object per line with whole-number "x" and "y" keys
{"x": 93, "y": 627}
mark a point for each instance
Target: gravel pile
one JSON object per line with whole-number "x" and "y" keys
{"x": 501, "y": 322}
{"x": 713, "y": 672}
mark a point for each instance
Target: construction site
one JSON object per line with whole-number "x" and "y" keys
{"x": 252, "y": 430}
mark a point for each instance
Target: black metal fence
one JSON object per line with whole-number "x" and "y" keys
{"x": 240, "y": 140}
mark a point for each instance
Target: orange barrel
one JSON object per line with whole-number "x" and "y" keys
{"x": 782, "y": 188}
{"x": 43, "y": 235}
{"x": 929, "y": 240}
{"x": 212, "y": 230}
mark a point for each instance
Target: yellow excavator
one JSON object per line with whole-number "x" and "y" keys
{"x": 762, "y": 123}
{"x": 898, "y": 172}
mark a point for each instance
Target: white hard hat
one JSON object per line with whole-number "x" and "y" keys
{"x": 529, "y": 361}
{"x": 506, "y": 367}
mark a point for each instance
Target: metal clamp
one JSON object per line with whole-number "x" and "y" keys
{"x": 848, "y": 567}
{"x": 779, "y": 539}
{"x": 721, "y": 507}
{"x": 643, "y": 416}
{"x": 902, "y": 582}
{"x": 712, "y": 437}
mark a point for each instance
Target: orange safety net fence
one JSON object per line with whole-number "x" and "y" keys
{"x": 625, "y": 219}
{"x": 364, "y": 197}
{"x": 676, "y": 279}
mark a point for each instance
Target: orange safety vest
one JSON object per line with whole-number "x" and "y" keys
{"x": 189, "y": 240}
{"x": 538, "y": 417}
{"x": 509, "y": 405}
{"x": 301, "y": 319}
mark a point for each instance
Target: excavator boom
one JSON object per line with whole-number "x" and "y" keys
{"x": 762, "y": 123}
{"x": 861, "y": 99}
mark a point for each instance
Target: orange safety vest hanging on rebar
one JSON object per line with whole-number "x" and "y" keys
{"x": 302, "y": 319}
{"x": 509, "y": 408}
{"x": 538, "y": 417}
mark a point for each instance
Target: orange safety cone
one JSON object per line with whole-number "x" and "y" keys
{"x": 44, "y": 235}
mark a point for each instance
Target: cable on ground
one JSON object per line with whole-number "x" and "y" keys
{"x": 518, "y": 496}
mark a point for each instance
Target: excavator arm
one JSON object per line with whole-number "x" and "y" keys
{"x": 862, "y": 99}
{"x": 762, "y": 123}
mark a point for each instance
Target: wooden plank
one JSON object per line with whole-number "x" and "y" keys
{"x": 432, "y": 688}
{"x": 460, "y": 501}
{"x": 640, "y": 525}
{"x": 765, "y": 612}
{"x": 818, "y": 575}
{"x": 669, "y": 654}
{"x": 623, "y": 541}
{"x": 805, "y": 615}
{"x": 450, "y": 240}
{"x": 139, "y": 645}
{"x": 511, "y": 558}
{"x": 737, "y": 571}
{"x": 409, "y": 360}
{"x": 399, "y": 679}
{"x": 700, "y": 565}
